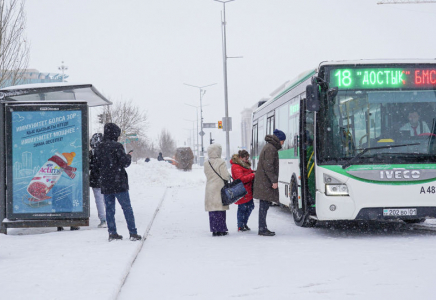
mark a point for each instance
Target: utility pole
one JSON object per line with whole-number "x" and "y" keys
{"x": 226, "y": 97}
{"x": 201, "y": 133}
{"x": 63, "y": 68}
{"x": 195, "y": 147}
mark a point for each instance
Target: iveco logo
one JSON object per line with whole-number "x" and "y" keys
{"x": 400, "y": 174}
{"x": 395, "y": 174}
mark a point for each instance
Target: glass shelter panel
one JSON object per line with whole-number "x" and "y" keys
{"x": 46, "y": 164}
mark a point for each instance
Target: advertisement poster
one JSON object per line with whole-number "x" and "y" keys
{"x": 46, "y": 161}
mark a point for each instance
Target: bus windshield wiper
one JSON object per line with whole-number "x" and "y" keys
{"x": 350, "y": 162}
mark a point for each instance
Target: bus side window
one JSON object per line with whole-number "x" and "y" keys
{"x": 254, "y": 150}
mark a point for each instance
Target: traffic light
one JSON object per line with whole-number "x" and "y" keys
{"x": 211, "y": 141}
{"x": 220, "y": 124}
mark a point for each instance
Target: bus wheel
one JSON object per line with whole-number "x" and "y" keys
{"x": 301, "y": 217}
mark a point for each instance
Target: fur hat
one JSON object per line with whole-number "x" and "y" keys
{"x": 95, "y": 140}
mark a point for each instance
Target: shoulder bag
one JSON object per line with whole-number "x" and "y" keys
{"x": 232, "y": 191}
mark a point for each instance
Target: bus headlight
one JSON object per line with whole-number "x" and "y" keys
{"x": 336, "y": 190}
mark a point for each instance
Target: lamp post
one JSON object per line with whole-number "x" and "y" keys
{"x": 226, "y": 97}
{"x": 201, "y": 133}
{"x": 196, "y": 110}
{"x": 63, "y": 68}
{"x": 193, "y": 132}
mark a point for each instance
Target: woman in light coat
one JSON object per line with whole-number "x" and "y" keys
{"x": 214, "y": 184}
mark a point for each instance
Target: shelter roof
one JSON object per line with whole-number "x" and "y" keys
{"x": 54, "y": 92}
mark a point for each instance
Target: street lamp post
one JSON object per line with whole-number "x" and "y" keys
{"x": 226, "y": 97}
{"x": 201, "y": 133}
{"x": 63, "y": 68}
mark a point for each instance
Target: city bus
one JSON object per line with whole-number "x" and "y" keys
{"x": 360, "y": 141}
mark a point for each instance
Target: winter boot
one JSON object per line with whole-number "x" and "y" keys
{"x": 242, "y": 228}
{"x": 115, "y": 236}
{"x": 246, "y": 227}
{"x": 102, "y": 224}
{"x": 223, "y": 233}
{"x": 74, "y": 228}
{"x": 135, "y": 237}
{"x": 266, "y": 232}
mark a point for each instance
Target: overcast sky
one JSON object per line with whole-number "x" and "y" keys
{"x": 146, "y": 50}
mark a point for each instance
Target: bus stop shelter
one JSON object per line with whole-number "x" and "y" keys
{"x": 44, "y": 142}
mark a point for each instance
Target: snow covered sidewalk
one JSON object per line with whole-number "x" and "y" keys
{"x": 180, "y": 259}
{"x": 41, "y": 263}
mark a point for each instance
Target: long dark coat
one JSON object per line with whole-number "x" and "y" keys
{"x": 111, "y": 160}
{"x": 94, "y": 174}
{"x": 267, "y": 171}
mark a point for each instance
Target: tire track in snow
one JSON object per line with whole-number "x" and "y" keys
{"x": 144, "y": 238}
{"x": 422, "y": 227}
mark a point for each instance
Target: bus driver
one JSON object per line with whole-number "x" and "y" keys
{"x": 415, "y": 125}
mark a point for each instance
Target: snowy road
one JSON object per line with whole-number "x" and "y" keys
{"x": 180, "y": 259}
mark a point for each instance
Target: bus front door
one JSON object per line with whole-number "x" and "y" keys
{"x": 305, "y": 206}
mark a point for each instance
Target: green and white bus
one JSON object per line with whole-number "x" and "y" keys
{"x": 361, "y": 141}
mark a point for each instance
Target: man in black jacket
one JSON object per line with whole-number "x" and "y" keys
{"x": 111, "y": 160}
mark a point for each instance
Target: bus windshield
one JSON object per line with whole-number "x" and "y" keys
{"x": 356, "y": 120}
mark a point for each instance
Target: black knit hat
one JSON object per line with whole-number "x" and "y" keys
{"x": 280, "y": 134}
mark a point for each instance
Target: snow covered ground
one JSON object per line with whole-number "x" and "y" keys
{"x": 180, "y": 259}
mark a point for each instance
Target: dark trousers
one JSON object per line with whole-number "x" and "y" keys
{"x": 217, "y": 221}
{"x": 263, "y": 210}
{"x": 124, "y": 200}
{"x": 244, "y": 212}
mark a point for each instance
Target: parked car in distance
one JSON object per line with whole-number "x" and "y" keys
{"x": 170, "y": 160}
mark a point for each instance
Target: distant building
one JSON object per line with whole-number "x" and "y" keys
{"x": 34, "y": 76}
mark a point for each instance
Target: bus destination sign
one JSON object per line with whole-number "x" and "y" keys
{"x": 383, "y": 78}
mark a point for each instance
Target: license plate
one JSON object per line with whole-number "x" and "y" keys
{"x": 398, "y": 212}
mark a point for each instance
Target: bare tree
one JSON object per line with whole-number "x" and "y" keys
{"x": 151, "y": 150}
{"x": 14, "y": 50}
{"x": 167, "y": 144}
{"x": 127, "y": 116}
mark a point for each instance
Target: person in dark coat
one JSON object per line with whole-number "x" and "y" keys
{"x": 160, "y": 157}
{"x": 267, "y": 177}
{"x": 111, "y": 160}
{"x": 94, "y": 180}
{"x": 241, "y": 169}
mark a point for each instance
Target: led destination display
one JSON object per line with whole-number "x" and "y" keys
{"x": 383, "y": 78}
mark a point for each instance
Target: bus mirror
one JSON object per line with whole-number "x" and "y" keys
{"x": 331, "y": 93}
{"x": 312, "y": 97}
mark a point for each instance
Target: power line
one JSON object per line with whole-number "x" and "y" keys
{"x": 406, "y": 2}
